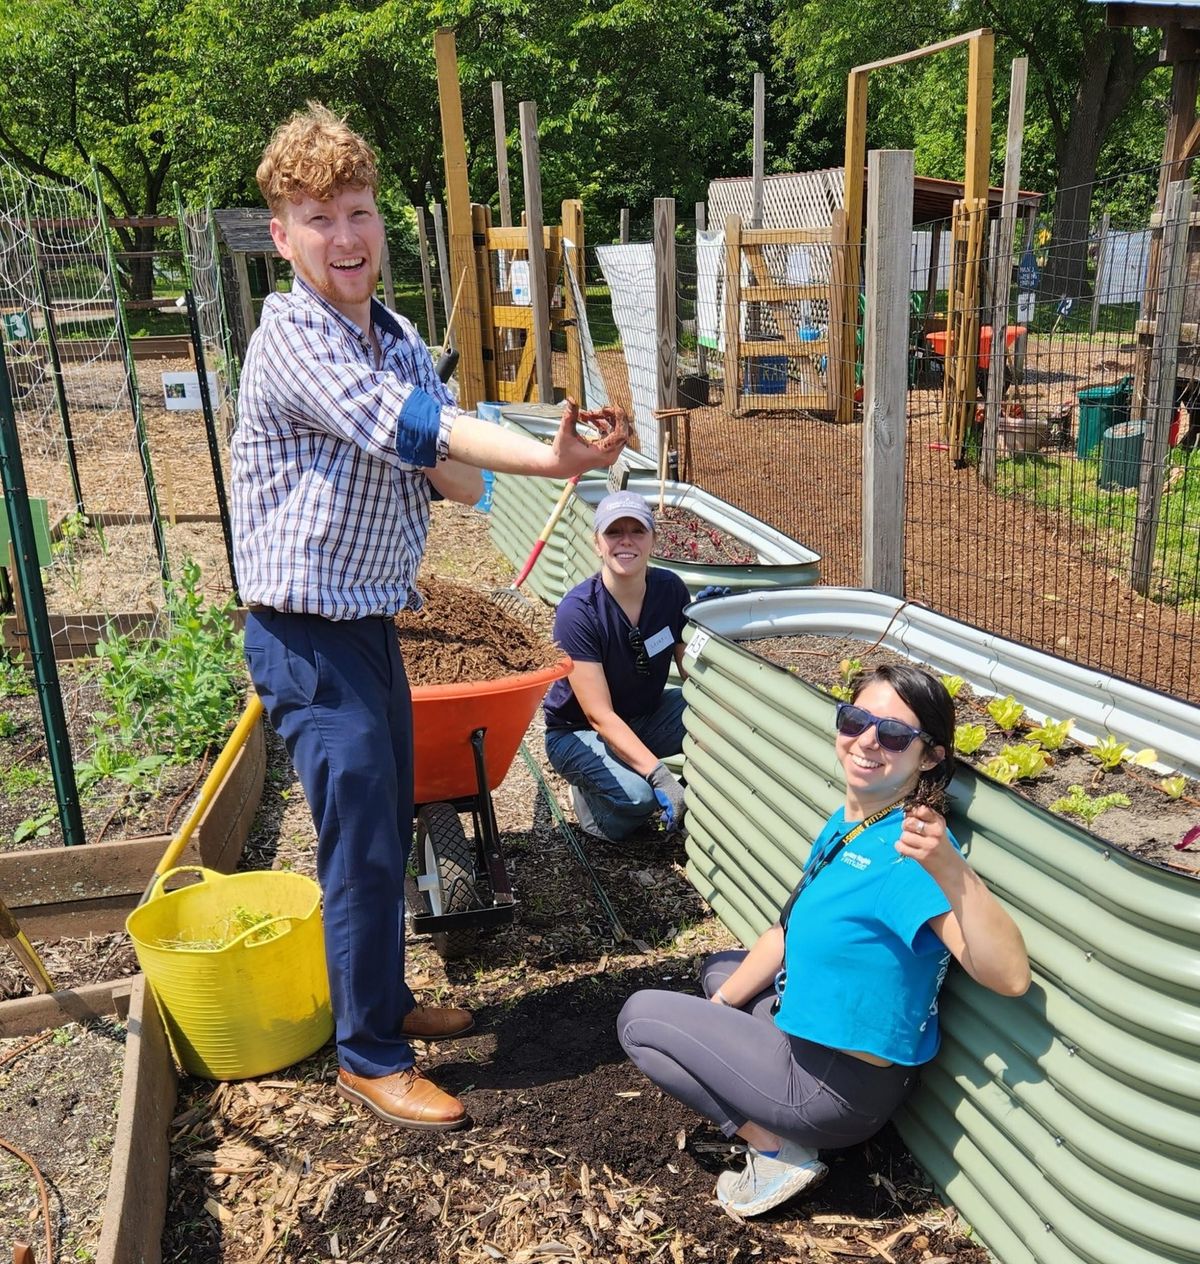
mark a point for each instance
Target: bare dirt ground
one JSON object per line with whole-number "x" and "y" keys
{"x": 997, "y": 562}
{"x": 570, "y": 1155}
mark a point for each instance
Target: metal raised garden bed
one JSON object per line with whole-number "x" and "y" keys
{"x": 1063, "y": 1125}
{"x": 521, "y": 505}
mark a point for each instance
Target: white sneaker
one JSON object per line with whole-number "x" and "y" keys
{"x": 765, "y": 1182}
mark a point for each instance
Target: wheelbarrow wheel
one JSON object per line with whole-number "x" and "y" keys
{"x": 448, "y": 869}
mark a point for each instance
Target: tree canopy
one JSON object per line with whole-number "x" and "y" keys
{"x": 636, "y": 98}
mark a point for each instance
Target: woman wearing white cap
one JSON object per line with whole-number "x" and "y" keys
{"x": 613, "y": 720}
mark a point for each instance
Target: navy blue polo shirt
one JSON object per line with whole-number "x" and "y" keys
{"x": 592, "y": 628}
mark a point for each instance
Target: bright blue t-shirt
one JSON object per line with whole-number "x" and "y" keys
{"x": 592, "y": 628}
{"x": 863, "y": 966}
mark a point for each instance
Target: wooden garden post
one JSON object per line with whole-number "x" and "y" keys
{"x": 1164, "y": 368}
{"x": 666, "y": 359}
{"x": 623, "y": 233}
{"x": 426, "y": 282}
{"x": 458, "y": 205}
{"x": 885, "y": 367}
{"x": 538, "y": 286}
{"x": 439, "y": 237}
{"x": 1002, "y": 268}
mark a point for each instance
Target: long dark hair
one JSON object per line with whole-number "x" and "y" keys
{"x": 927, "y": 698}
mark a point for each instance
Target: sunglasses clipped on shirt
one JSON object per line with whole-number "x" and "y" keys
{"x": 641, "y": 661}
{"x": 892, "y": 735}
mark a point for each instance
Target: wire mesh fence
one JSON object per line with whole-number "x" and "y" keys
{"x": 1080, "y": 537}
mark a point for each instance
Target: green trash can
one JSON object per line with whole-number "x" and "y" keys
{"x": 1121, "y": 456}
{"x": 1101, "y": 407}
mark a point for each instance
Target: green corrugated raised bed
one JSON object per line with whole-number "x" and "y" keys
{"x": 521, "y": 506}
{"x": 1065, "y": 1126}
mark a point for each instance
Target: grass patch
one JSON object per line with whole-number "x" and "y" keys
{"x": 1063, "y": 484}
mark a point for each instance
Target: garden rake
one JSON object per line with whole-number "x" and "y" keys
{"x": 511, "y": 600}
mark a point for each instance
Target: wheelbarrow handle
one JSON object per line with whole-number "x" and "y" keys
{"x": 555, "y": 514}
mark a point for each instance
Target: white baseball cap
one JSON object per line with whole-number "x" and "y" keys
{"x": 623, "y": 505}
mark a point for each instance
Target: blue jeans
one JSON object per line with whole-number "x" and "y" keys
{"x": 620, "y": 799}
{"x": 337, "y": 694}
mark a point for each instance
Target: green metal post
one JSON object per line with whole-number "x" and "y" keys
{"x": 135, "y": 403}
{"x": 210, "y": 429}
{"x": 33, "y": 595}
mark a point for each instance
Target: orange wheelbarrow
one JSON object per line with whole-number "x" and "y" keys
{"x": 464, "y": 739}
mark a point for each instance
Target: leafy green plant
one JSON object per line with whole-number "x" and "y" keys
{"x": 20, "y": 779}
{"x": 8, "y": 726}
{"x": 171, "y": 697}
{"x": 848, "y": 668}
{"x": 1017, "y": 763}
{"x": 1081, "y": 804}
{"x": 1001, "y": 770}
{"x": 968, "y": 738}
{"x": 1145, "y": 757}
{"x": 14, "y": 676}
{"x": 1173, "y": 787}
{"x": 34, "y": 826}
{"x": 1031, "y": 761}
{"x": 1007, "y": 712}
{"x": 1051, "y": 734}
{"x": 1110, "y": 752}
{"x": 952, "y": 685}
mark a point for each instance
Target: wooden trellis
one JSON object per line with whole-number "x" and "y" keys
{"x": 507, "y": 327}
{"x": 780, "y": 302}
{"x": 962, "y": 322}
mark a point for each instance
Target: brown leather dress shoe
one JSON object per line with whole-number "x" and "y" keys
{"x": 435, "y": 1022}
{"x": 406, "y": 1098}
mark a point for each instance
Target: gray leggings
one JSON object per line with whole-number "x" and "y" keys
{"x": 735, "y": 1066}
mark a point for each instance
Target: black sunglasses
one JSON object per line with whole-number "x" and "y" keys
{"x": 892, "y": 735}
{"x": 641, "y": 660}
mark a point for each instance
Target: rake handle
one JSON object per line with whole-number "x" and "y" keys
{"x": 559, "y": 505}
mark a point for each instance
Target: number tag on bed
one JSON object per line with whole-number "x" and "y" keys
{"x": 697, "y": 643}
{"x": 659, "y": 641}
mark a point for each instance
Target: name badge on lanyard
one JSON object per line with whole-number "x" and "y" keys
{"x": 659, "y": 641}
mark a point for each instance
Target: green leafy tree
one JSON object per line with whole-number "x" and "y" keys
{"x": 1083, "y": 76}
{"x": 79, "y": 86}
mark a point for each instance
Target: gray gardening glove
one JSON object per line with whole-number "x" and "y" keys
{"x": 669, "y": 793}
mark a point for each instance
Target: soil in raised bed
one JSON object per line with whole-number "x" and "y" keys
{"x": 58, "y": 1103}
{"x": 1149, "y": 828}
{"x": 683, "y": 536}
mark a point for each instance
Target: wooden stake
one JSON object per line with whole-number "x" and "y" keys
{"x": 458, "y": 201}
{"x": 426, "y": 281}
{"x": 538, "y": 285}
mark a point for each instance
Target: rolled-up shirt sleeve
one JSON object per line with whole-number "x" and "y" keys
{"x": 322, "y": 383}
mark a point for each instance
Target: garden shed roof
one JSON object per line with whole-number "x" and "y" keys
{"x": 246, "y": 230}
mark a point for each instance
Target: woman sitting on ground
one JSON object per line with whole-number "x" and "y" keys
{"x": 613, "y": 720}
{"x": 809, "y": 1041}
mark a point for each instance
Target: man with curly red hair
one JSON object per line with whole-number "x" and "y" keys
{"x": 344, "y": 431}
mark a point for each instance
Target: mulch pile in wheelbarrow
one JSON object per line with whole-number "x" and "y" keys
{"x": 461, "y": 634}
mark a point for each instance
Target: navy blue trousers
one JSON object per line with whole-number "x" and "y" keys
{"x": 337, "y": 694}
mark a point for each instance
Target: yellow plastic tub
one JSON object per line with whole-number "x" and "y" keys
{"x": 236, "y": 1002}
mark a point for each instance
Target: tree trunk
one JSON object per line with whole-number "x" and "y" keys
{"x": 1110, "y": 74}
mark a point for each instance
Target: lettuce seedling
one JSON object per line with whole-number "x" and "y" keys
{"x": 1051, "y": 734}
{"x": 968, "y": 738}
{"x": 1031, "y": 761}
{"x": 1173, "y": 787}
{"x": 1002, "y": 770}
{"x": 1007, "y": 712}
{"x": 1081, "y": 804}
{"x": 1110, "y": 752}
{"x": 953, "y": 684}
